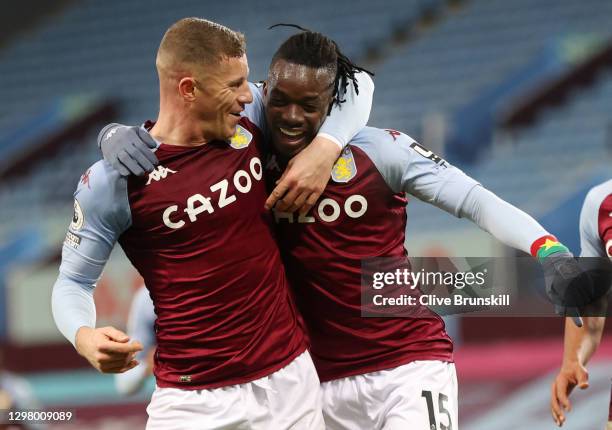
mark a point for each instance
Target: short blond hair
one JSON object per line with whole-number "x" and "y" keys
{"x": 197, "y": 41}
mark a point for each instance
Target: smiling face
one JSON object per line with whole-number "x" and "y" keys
{"x": 220, "y": 96}
{"x": 203, "y": 72}
{"x": 297, "y": 100}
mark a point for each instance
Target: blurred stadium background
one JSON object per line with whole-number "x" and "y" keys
{"x": 517, "y": 93}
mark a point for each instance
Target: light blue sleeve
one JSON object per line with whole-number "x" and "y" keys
{"x": 255, "y": 111}
{"x": 101, "y": 215}
{"x": 345, "y": 120}
{"x": 141, "y": 328}
{"x": 408, "y": 167}
{"x": 507, "y": 223}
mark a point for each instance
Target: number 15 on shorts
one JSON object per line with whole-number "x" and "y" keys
{"x": 440, "y": 419}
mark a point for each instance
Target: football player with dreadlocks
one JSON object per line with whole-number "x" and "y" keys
{"x": 376, "y": 373}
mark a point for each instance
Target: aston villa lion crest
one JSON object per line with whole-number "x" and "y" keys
{"x": 345, "y": 169}
{"x": 241, "y": 138}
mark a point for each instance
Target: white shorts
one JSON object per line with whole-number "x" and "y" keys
{"x": 421, "y": 395}
{"x": 288, "y": 399}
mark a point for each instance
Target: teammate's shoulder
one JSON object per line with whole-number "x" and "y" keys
{"x": 249, "y": 124}
{"x": 100, "y": 184}
{"x": 602, "y": 190}
{"x": 98, "y": 177}
{"x": 381, "y": 136}
{"x": 392, "y": 146}
{"x": 99, "y": 174}
{"x": 598, "y": 194}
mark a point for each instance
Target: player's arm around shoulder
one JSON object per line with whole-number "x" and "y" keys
{"x": 101, "y": 214}
{"x": 308, "y": 173}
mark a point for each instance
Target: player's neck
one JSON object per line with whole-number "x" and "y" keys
{"x": 178, "y": 128}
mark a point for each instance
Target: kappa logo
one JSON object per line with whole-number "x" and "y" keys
{"x": 394, "y": 133}
{"x": 85, "y": 178}
{"x": 272, "y": 164}
{"x": 158, "y": 174}
{"x": 241, "y": 138}
{"x": 345, "y": 168}
{"x": 110, "y": 133}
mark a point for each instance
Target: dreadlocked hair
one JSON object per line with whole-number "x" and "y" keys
{"x": 313, "y": 49}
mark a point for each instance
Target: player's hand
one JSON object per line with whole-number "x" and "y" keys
{"x": 571, "y": 375}
{"x": 6, "y": 400}
{"x": 128, "y": 149}
{"x": 305, "y": 177}
{"x": 568, "y": 286}
{"x": 107, "y": 349}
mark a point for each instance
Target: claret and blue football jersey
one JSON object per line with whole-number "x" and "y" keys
{"x": 362, "y": 214}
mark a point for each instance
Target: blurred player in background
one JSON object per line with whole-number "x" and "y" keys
{"x": 141, "y": 326}
{"x": 16, "y": 394}
{"x": 580, "y": 343}
{"x": 376, "y": 373}
{"x": 231, "y": 352}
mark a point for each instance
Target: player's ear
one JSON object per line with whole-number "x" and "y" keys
{"x": 187, "y": 89}
{"x": 264, "y": 88}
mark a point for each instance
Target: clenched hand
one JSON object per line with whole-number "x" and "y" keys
{"x": 305, "y": 177}
{"x": 107, "y": 349}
